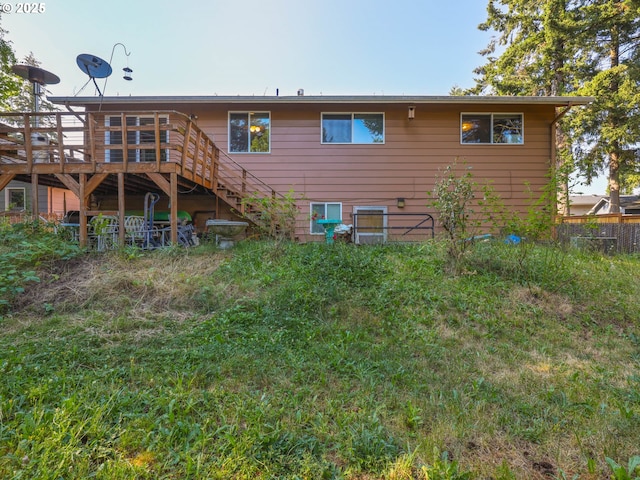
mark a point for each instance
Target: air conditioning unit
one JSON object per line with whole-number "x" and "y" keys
{"x": 608, "y": 245}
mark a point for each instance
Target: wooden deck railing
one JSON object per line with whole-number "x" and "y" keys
{"x": 123, "y": 142}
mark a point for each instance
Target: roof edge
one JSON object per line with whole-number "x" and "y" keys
{"x": 312, "y": 99}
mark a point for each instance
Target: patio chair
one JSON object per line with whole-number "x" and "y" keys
{"x": 139, "y": 234}
{"x": 103, "y": 232}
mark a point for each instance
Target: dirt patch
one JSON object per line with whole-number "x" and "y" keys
{"x": 117, "y": 284}
{"x": 523, "y": 459}
{"x": 60, "y": 283}
{"x": 550, "y": 303}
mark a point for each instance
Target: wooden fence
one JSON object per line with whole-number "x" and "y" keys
{"x": 614, "y": 232}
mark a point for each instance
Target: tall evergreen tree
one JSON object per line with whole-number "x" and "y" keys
{"x": 537, "y": 44}
{"x": 16, "y": 93}
{"x": 9, "y": 83}
{"x": 536, "y": 40}
{"x": 609, "y": 131}
{"x": 583, "y": 47}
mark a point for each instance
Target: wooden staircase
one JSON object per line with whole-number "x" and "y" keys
{"x": 122, "y": 153}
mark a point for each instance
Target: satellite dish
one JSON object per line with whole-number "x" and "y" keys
{"x": 35, "y": 74}
{"x": 93, "y": 66}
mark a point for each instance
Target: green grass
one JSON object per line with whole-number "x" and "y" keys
{"x": 316, "y": 361}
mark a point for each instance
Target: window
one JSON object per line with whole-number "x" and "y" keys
{"x": 136, "y": 136}
{"x": 491, "y": 128}
{"x": 358, "y": 128}
{"x": 249, "y": 132}
{"x": 15, "y": 199}
{"x": 321, "y": 211}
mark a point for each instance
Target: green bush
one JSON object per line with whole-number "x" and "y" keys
{"x": 24, "y": 248}
{"x": 275, "y": 216}
{"x": 453, "y": 193}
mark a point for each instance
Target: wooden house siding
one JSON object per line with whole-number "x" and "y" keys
{"x": 54, "y": 202}
{"x": 43, "y": 205}
{"x": 406, "y": 165}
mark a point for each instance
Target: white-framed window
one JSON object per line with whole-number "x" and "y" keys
{"x": 322, "y": 211}
{"x": 353, "y": 128}
{"x": 249, "y": 132}
{"x": 15, "y": 198}
{"x": 492, "y": 128}
{"x": 370, "y": 225}
{"x": 135, "y": 136}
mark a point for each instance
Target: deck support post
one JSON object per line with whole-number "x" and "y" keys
{"x": 83, "y": 210}
{"x": 173, "y": 215}
{"x": 121, "y": 209}
{"x": 35, "y": 200}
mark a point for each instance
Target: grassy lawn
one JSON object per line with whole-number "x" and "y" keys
{"x": 321, "y": 362}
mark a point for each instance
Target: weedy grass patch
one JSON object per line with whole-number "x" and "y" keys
{"x": 278, "y": 360}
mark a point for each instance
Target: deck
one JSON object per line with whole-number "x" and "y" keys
{"x": 120, "y": 153}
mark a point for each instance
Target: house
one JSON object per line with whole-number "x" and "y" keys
{"x": 629, "y": 205}
{"x": 52, "y": 202}
{"x": 17, "y": 197}
{"x": 582, "y": 204}
{"x": 370, "y": 161}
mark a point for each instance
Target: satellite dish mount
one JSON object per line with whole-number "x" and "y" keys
{"x": 95, "y": 67}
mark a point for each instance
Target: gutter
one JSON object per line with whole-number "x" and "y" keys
{"x": 341, "y": 99}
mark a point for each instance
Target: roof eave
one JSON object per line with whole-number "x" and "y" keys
{"x": 322, "y": 99}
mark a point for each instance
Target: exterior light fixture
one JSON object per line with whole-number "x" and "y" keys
{"x": 127, "y": 73}
{"x": 400, "y": 202}
{"x": 412, "y": 112}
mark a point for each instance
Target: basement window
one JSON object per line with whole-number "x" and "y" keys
{"x": 322, "y": 211}
{"x": 492, "y": 128}
{"x": 15, "y": 199}
{"x": 249, "y": 132}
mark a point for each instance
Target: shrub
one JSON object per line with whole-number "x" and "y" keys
{"x": 453, "y": 194}
{"x": 23, "y": 248}
{"x": 275, "y": 216}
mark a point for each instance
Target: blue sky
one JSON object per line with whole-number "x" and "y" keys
{"x": 253, "y": 47}
{"x": 229, "y": 47}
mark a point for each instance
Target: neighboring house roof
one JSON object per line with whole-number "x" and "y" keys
{"x": 579, "y": 204}
{"x": 585, "y": 200}
{"x": 628, "y": 204}
{"x": 320, "y": 99}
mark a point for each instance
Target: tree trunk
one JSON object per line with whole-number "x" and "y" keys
{"x": 562, "y": 173}
{"x": 614, "y": 182}
{"x": 614, "y": 155}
